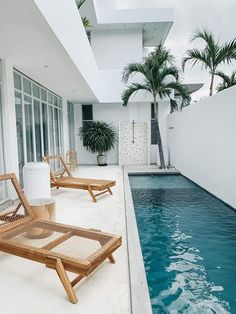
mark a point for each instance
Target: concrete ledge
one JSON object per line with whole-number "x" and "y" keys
{"x": 139, "y": 294}
{"x": 152, "y": 169}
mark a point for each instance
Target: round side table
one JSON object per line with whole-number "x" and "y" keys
{"x": 44, "y": 209}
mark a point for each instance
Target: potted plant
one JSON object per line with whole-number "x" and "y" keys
{"x": 98, "y": 137}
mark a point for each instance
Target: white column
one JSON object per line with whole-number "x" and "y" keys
{"x": 65, "y": 135}
{"x": 9, "y": 118}
{"x": 9, "y": 123}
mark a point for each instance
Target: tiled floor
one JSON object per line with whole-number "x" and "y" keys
{"x": 28, "y": 287}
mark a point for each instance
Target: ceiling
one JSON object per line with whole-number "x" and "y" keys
{"x": 28, "y": 42}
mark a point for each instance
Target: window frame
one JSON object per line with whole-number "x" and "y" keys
{"x": 55, "y": 103}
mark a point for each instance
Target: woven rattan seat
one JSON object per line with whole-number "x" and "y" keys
{"x": 67, "y": 248}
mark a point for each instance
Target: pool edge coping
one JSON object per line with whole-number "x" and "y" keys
{"x": 139, "y": 292}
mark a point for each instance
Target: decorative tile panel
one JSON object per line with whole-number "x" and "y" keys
{"x": 133, "y": 143}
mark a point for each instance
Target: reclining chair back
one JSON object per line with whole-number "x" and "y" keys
{"x": 16, "y": 211}
{"x": 58, "y": 167}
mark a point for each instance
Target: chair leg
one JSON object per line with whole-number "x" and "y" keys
{"x": 65, "y": 280}
{"x": 91, "y": 194}
{"x": 111, "y": 259}
{"x": 109, "y": 190}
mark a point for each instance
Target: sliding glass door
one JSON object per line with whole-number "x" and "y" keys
{"x": 38, "y": 120}
{"x": 71, "y": 124}
{"x": 3, "y": 190}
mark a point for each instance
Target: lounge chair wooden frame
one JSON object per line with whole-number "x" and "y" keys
{"x": 47, "y": 255}
{"x": 58, "y": 180}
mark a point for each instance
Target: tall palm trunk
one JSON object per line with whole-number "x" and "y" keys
{"x": 212, "y": 83}
{"x": 159, "y": 141}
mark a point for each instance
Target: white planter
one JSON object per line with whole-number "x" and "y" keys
{"x": 102, "y": 160}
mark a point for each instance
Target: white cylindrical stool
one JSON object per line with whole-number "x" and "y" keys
{"x": 36, "y": 180}
{"x": 44, "y": 209}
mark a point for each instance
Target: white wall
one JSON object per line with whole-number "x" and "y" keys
{"x": 106, "y": 112}
{"x": 115, "y": 113}
{"x": 9, "y": 118}
{"x": 202, "y": 144}
{"x": 112, "y": 113}
{"x": 65, "y": 22}
{"x": 113, "y": 49}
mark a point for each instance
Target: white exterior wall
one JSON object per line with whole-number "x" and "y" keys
{"x": 115, "y": 113}
{"x": 64, "y": 19}
{"x": 9, "y": 118}
{"x": 113, "y": 49}
{"x": 202, "y": 144}
{"x": 112, "y": 113}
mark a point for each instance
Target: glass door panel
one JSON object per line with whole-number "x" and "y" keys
{"x": 51, "y": 130}
{"x": 45, "y": 129}
{"x": 57, "y": 136}
{"x": 20, "y": 134}
{"x": 3, "y": 190}
{"x": 39, "y": 120}
{"x": 29, "y": 129}
{"x": 37, "y": 127}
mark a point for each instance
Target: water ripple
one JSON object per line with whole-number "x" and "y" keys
{"x": 187, "y": 237}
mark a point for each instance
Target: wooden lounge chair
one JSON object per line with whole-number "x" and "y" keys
{"x": 67, "y": 248}
{"x": 63, "y": 178}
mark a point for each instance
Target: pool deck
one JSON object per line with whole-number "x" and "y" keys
{"x": 29, "y": 287}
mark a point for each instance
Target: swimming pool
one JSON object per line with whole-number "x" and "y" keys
{"x": 188, "y": 240}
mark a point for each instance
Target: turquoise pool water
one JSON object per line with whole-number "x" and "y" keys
{"x": 188, "y": 240}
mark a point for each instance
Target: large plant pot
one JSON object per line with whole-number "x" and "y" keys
{"x": 102, "y": 159}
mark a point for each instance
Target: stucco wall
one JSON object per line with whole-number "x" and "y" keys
{"x": 112, "y": 113}
{"x": 113, "y": 49}
{"x": 115, "y": 113}
{"x": 106, "y": 112}
{"x": 202, "y": 144}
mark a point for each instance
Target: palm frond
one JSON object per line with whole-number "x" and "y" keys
{"x": 182, "y": 90}
{"x": 204, "y": 34}
{"x": 132, "y": 89}
{"x": 173, "y": 105}
{"x": 80, "y": 3}
{"x": 160, "y": 56}
{"x": 227, "y": 81}
{"x": 227, "y": 52}
{"x": 220, "y": 87}
{"x": 195, "y": 56}
{"x": 170, "y": 70}
{"x": 224, "y": 76}
{"x": 133, "y": 68}
{"x": 86, "y": 22}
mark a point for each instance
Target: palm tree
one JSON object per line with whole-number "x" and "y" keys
{"x": 157, "y": 69}
{"x": 84, "y": 19}
{"x": 227, "y": 81}
{"x": 213, "y": 54}
{"x": 80, "y": 3}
